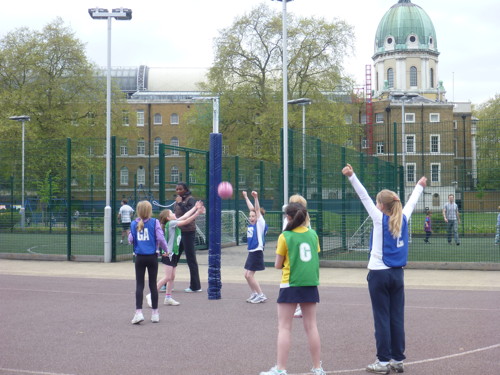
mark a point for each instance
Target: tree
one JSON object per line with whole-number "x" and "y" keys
{"x": 247, "y": 74}
{"x": 46, "y": 75}
{"x": 488, "y": 143}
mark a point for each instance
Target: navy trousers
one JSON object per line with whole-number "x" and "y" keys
{"x": 388, "y": 302}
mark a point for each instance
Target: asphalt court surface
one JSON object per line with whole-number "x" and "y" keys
{"x": 61, "y": 318}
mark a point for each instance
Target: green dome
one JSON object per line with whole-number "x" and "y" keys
{"x": 405, "y": 27}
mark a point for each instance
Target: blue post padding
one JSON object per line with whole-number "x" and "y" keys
{"x": 214, "y": 217}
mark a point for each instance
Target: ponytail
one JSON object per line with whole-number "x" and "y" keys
{"x": 394, "y": 209}
{"x": 144, "y": 211}
{"x": 298, "y": 213}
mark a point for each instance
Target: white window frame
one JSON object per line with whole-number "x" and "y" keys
{"x": 438, "y": 138}
{"x": 409, "y": 117}
{"x": 141, "y": 147}
{"x": 413, "y": 76}
{"x": 414, "y": 179}
{"x": 157, "y": 119}
{"x": 379, "y": 117}
{"x": 410, "y": 143}
{"x": 434, "y": 117}
{"x": 455, "y": 124}
{"x": 380, "y": 147}
{"x": 348, "y": 119}
{"x": 156, "y": 147}
{"x": 124, "y": 148}
{"x": 364, "y": 143}
{"x": 174, "y": 174}
{"x": 140, "y": 117}
{"x": 433, "y": 180}
{"x": 141, "y": 176}
{"x": 174, "y": 141}
{"x": 124, "y": 176}
{"x": 125, "y": 118}
{"x": 174, "y": 119}
{"x": 156, "y": 175}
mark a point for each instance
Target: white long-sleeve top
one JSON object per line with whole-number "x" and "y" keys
{"x": 376, "y": 262}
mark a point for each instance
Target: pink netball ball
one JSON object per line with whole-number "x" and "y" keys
{"x": 225, "y": 190}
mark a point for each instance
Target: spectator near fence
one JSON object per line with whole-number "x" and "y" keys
{"x": 452, "y": 218}
{"x": 497, "y": 236}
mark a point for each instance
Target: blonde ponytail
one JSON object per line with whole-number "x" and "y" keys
{"x": 394, "y": 209}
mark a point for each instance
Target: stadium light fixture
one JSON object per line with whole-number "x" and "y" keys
{"x": 121, "y": 14}
{"x": 22, "y": 119}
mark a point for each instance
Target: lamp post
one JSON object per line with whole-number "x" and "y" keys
{"x": 123, "y": 14}
{"x": 303, "y": 102}
{"x": 22, "y": 119}
{"x": 403, "y": 97}
{"x": 285, "y": 101}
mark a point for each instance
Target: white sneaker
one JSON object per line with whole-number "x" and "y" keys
{"x": 259, "y": 299}
{"x": 189, "y": 290}
{"x": 318, "y": 371}
{"x": 155, "y": 318}
{"x": 274, "y": 371}
{"x": 378, "y": 368}
{"x": 148, "y": 300}
{"x": 171, "y": 302}
{"x": 138, "y": 317}
{"x": 252, "y": 296}
{"x": 298, "y": 312}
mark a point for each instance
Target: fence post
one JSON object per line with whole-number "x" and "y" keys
{"x": 319, "y": 222}
{"x": 236, "y": 196}
{"x": 343, "y": 227}
{"x": 113, "y": 199}
{"x": 395, "y": 140}
{"x": 11, "y": 204}
{"x": 161, "y": 166}
{"x": 92, "y": 203}
{"x": 68, "y": 197}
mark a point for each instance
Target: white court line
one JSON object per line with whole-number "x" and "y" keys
{"x": 30, "y": 249}
{"x": 17, "y": 371}
{"x": 416, "y": 362}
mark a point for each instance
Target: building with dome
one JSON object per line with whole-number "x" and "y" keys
{"x": 407, "y": 117}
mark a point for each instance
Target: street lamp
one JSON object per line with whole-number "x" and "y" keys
{"x": 285, "y": 101}
{"x": 123, "y": 14}
{"x": 403, "y": 97}
{"x": 303, "y": 102}
{"x": 22, "y": 119}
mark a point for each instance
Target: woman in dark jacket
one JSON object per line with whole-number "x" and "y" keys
{"x": 183, "y": 203}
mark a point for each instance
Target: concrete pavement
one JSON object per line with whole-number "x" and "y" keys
{"x": 233, "y": 259}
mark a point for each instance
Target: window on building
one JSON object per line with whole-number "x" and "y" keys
{"x": 379, "y": 117}
{"x": 380, "y": 147}
{"x": 174, "y": 141}
{"x": 364, "y": 142}
{"x": 124, "y": 148}
{"x": 242, "y": 179}
{"x": 413, "y": 76}
{"x": 432, "y": 78}
{"x": 390, "y": 78}
{"x": 411, "y": 172}
{"x": 125, "y": 118}
{"x": 156, "y": 175}
{"x": 124, "y": 176}
{"x": 410, "y": 144}
{"x": 91, "y": 150}
{"x": 192, "y": 176}
{"x": 156, "y": 146}
{"x": 141, "y": 147}
{"x": 157, "y": 119}
{"x": 140, "y": 118}
{"x": 435, "y": 172}
{"x": 434, "y": 117}
{"x": 174, "y": 174}
{"x": 348, "y": 119}
{"x": 409, "y": 117}
{"x": 435, "y": 143}
{"x": 91, "y": 118}
{"x": 363, "y": 118}
{"x": 174, "y": 119}
{"x": 225, "y": 150}
{"x": 256, "y": 173}
{"x": 141, "y": 176}
{"x": 455, "y": 124}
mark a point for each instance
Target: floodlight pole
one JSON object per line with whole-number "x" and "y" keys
{"x": 119, "y": 14}
{"x": 22, "y": 119}
{"x": 285, "y": 101}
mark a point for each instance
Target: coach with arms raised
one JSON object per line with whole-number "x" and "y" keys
{"x": 183, "y": 203}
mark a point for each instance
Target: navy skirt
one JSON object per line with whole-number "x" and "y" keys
{"x": 255, "y": 261}
{"x": 299, "y": 294}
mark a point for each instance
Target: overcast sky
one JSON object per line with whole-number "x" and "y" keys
{"x": 180, "y": 33}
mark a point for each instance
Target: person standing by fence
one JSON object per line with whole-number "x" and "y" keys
{"x": 183, "y": 203}
{"x": 428, "y": 226}
{"x": 452, "y": 218}
{"x": 125, "y": 217}
{"x": 497, "y": 236}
